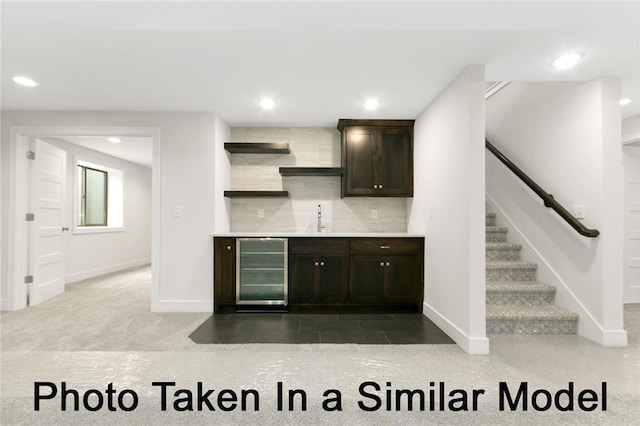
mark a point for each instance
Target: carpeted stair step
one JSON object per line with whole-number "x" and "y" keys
{"x": 496, "y": 234}
{"x": 490, "y": 219}
{"x": 516, "y": 301}
{"x": 519, "y": 293}
{"x": 536, "y": 319}
{"x": 509, "y": 270}
{"x": 503, "y": 251}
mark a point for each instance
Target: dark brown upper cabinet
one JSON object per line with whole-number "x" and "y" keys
{"x": 377, "y": 156}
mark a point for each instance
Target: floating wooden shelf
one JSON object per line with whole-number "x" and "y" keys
{"x": 311, "y": 171}
{"x": 257, "y": 147}
{"x": 248, "y": 194}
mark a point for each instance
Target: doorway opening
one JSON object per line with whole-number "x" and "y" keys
{"x": 55, "y": 235}
{"x": 631, "y": 193}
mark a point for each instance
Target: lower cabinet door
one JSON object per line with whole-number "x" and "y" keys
{"x": 400, "y": 279}
{"x": 332, "y": 279}
{"x": 366, "y": 283}
{"x": 302, "y": 279}
{"x": 388, "y": 279}
{"x": 318, "y": 279}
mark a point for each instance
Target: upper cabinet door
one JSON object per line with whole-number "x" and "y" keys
{"x": 360, "y": 146}
{"x": 377, "y": 156}
{"x": 395, "y": 162}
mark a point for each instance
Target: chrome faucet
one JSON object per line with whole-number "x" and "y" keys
{"x": 319, "y": 228}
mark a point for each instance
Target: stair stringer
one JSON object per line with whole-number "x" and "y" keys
{"x": 588, "y": 326}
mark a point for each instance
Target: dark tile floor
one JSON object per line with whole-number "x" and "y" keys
{"x": 319, "y": 328}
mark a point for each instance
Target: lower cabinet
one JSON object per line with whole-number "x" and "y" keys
{"x": 318, "y": 280}
{"x": 224, "y": 273}
{"x": 318, "y": 271}
{"x": 349, "y": 274}
{"x": 389, "y": 279}
{"x": 356, "y": 273}
{"x": 387, "y": 272}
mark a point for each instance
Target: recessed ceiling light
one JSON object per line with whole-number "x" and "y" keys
{"x": 567, "y": 61}
{"x": 113, "y": 139}
{"x": 371, "y": 104}
{"x": 24, "y": 81}
{"x": 625, "y": 101}
{"x": 267, "y": 103}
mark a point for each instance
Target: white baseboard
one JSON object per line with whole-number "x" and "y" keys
{"x": 614, "y": 338}
{"x": 5, "y": 305}
{"x": 471, "y": 345}
{"x": 182, "y": 306}
{"x": 591, "y": 330}
{"x": 79, "y": 276}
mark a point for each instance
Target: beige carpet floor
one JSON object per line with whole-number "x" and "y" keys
{"x": 101, "y": 331}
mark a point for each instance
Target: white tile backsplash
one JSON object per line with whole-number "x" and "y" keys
{"x": 310, "y": 147}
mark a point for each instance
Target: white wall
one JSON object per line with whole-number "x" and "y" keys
{"x": 448, "y": 206}
{"x": 222, "y": 176}
{"x": 183, "y": 175}
{"x": 566, "y": 136}
{"x": 91, "y": 254}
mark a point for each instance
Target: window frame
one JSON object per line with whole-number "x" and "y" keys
{"x": 115, "y": 195}
{"x": 82, "y": 205}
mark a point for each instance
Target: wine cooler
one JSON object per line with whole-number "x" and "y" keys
{"x": 261, "y": 274}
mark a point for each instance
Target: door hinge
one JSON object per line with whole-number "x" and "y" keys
{"x": 31, "y": 155}
{"x": 28, "y": 279}
{"x": 29, "y": 217}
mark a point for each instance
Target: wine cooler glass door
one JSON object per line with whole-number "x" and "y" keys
{"x": 261, "y": 271}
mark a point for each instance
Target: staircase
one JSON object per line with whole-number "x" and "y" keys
{"x": 516, "y": 302}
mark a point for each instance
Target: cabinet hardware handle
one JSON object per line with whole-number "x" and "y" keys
{"x": 228, "y": 247}
{"x": 375, "y": 186}
{"x": 388, "y": 264}
{"x": 379, "y": 186}
{"x": 316, "y": 263}
{"x": 321, "y": 263}
{"x": 381, "y": 263}
{"x": 384, "y": 247}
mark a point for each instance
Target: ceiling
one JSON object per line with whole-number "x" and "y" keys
{"x": 136, "y": 149}
{"x": 318, "y": 59}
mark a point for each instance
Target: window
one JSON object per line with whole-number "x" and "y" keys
{"x": 99, "y": 193}
{"x": 93, "y": 192}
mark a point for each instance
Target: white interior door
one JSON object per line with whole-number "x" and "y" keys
{"x": 46, "y": 248}
{"x": 631, "y": 161}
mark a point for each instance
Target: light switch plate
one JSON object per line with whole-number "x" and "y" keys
{"x": 374, "y": 213}
{"x": 578, "y": 212}
{"x": 177, "y": 211}
{"x": 260, "y": 213}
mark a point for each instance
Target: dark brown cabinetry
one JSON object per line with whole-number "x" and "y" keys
{"x": 346, "y": 274}
{"x": 386, "y": 279}
{"x": 318, "y": 271}
{"x": 377, "y": 156}
{"x": 224, "y": 273}
{"x": 387, "y": 272}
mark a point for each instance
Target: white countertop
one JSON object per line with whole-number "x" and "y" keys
{"x": 317, "y": 235}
